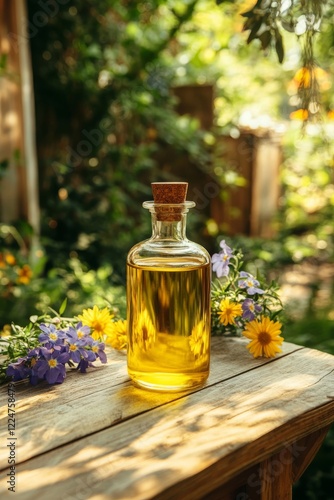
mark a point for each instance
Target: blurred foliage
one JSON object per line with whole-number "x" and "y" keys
{"x": 208, "y": 54}
{"x": 107, "y": 122}
{"x": 307, "y": 202}
{"x": 106, "y": 116}
{"x": 27, "y": 288}
{"x": 266, "y": 21}
{"x": 104, "y": 111}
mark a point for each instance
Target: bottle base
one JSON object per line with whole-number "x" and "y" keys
{"x": 168, "y": 382}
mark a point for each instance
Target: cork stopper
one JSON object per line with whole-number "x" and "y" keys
{"x": 169, "y": 194}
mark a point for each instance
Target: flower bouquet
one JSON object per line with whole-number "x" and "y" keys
{"x": 241, "y": 305}
{"x": 42, "y": 349}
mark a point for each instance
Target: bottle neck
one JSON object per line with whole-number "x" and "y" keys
{"x": 169, "y": 220}
{"x": 169, "y": 230}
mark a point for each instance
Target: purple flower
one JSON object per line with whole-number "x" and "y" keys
{"x": 32, "y": 357}
{"x": 75, "y": 352}
{"x": 250, "y": 309}
{"x": 250, "y": 283}
{"x": 34, "y": 353}
{"x": 98, "y": 350}
{"x": 79, "y": 332}
{"x": 51, "y": 335}
{"x": 225, "y": 247}
{"x": 77, "y": 339}
{"x": 221, "y": 260}
{"x": 18, "y": 370}
{"x": 84, "y": 364}
{"x": 52, "y": 367}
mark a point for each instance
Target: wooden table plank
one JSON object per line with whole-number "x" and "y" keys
{"x": 48, "y": 416}
{"x": 191, "y": 445}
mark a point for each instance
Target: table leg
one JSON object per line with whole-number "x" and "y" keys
{"x": 273, "y": 478}
{"x": 278, "y": 473}
{"x": 311, "y": 445}
{"x": 276, "y": 476}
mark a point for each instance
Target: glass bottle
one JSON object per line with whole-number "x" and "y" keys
{"x": 168, "y": 299}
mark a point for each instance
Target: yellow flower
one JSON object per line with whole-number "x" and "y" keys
{"x": 25, "y": 274}
{"x": 10, "y": 259}
{"x": 7, "y": 258}
{"x": 100, "y": 321}
{"x": 6, "y": 331}
{"x": 265, "y": 337}
{"x": 229, "y": 311}
{"x": 117, "y": 337}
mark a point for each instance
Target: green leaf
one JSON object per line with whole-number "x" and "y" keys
{"x": 63, "y": 306}
{"x": 265, "y": 39}
{"x": 3, "y": 166}
{"x": 3, "y": 61}
{"x": 17, "y": 155}
{"x": 256, "y": 26}
{"x": 279, "y": 46}
{"x": 249, "y": 23}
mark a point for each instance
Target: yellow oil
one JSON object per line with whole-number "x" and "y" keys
{"x": 168, "y": 326}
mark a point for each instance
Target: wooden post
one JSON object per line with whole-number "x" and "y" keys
{"x": 266, "y": 186}
{"x": 19, "y": 185}
{"x": 249, "y": 208}
{"x": 276, "y": 478}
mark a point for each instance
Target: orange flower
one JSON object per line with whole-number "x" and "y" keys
{"x": 2, "y": 261}
{"x": 7, "y": 258}
{"x": 25, "y": 274}
{"x": 10, "y": 259}
{"x": 304, "y": 77}
{"x": 330, "y": 114}
{"x": 300, "y": 114}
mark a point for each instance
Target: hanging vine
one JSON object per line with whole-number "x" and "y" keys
{"x": 267, "y": 21}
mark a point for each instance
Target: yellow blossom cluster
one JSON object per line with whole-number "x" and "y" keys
{"x": 104, "y": 328}
{"x": 12, "y": 272}
{"x": 263, "y": 333}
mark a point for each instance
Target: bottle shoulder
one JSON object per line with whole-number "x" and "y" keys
{"x": 152, "y": 253}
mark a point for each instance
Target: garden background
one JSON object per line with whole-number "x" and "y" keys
{"x": 117, "y": 94}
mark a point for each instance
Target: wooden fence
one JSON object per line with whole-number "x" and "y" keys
{"x": 255, "y": 156}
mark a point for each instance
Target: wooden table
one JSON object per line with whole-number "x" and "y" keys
{"x": 249, "y": 433}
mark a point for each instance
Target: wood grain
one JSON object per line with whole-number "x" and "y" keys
{"x": 276, "y": 477}
{"x": 49, "y": 416}
{"x": 191, "y": 445}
